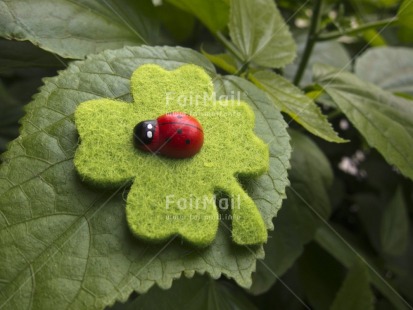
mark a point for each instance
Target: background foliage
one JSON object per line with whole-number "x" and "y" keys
{"x": 339, "y": 74}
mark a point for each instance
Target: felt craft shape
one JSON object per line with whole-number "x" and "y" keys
{"x": 175, "y": 196}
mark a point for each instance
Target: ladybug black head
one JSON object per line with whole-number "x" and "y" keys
{"x": 143, "y": 133}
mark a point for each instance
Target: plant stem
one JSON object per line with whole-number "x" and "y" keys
{"x": 311, "y": 40}
{"x": 362, "y": 28}
{"x": 229, "y": 46}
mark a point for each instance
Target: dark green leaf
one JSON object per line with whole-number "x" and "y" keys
{"x": 14, "y": 54}
{"x": 369, "y": 211}
{"x": 212, "y": 13}
{"x": 394, "y": 231}
{"x": 74, "y": 29}
{"x": 178, "y": 23}
{"x": 260, "y": 33}
{"x": 292, "y": 101}
{"x": 337, "y": 242}
{"x": 391, "y": 68}
{"x": 355, "y": 293}
{"x": 320, "y": 276}
{"x": 193, "y": 294}
{"x": 402, "y": 269}
{"x": 10, "y": 113}
{"x": 298, "y": 219}
{"x": 64, "y": 244}
{"x": 385, "y": 121}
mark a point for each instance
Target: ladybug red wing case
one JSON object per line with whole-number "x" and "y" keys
{"x": 175, "y": 135}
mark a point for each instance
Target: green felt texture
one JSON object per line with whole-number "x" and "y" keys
{"x": 175, "y": 196}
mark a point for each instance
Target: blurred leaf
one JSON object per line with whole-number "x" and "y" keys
{"x": 391, "y": 68}
{"x": 320, "y": 275}
{"x": 401, "y": 268}
{"x": 212, "y": 13}
{"x": 10, "y": 113}
{"x": 374, "y": 38}
{"x": 290, "y": 99}
{"x": 369, "y": 211}
{"x": 404, "y": 35}
{"x": 177, "y": 22}
{"x": 337, "y": 242}
{"x": 298, "y": 219}
{"x": 193, "y": 294}
{"x": 329, "y": 52}
{"x": 64, "y": 244}
{"x": 14, "y": 54}
{"x": 260, "y": 33}
{"x": 74, "y": 29}
{"x": 285, "y": 294}
{"x": 379, "y": 3}
{"x": 224, "y": 61}
{"x": 5, "y": 98}
{"x": 394, "y": 231}
{"x": 355, "y": 293}
{"x": 385, "y": 121}
{"x": 405, "y": 14}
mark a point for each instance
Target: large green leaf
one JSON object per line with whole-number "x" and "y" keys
{"x": 213, "y": 13}
{"x": 292, "y": 101}
{"x": 73, "y": 29}
{"x": 297, "y": 221}
{"x": 391, "y": 68}
{"x": 385, "y": 121}
{"x": 260, "y": 33}
{"x": 355, "y": 293}
{"x": 64, "y": 244}
{"x": 394, "y": 231}
{"x": 194, "y": 294}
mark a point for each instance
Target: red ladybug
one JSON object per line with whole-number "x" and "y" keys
{"x": 175, "y": 134}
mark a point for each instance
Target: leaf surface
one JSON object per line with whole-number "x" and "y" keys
{"x": 65, "y": 244}
{"x": 291, "y": 100}
{"x": 394, "y": 232}
{"x": 260, "y": 33}
{"x": 348, "y": 251}
{"x": 74, "y": 29}
{"x": 355, "y": 292}
{"x": 391, "y": 68}
{"x": 307, "y": 202}
{"x": 193, "y": 294}
{"x": 330, "y": 52}
{"x": 212, "y": 13}
{"x": 385, "y": 121}
{"x": 405, "y": 14}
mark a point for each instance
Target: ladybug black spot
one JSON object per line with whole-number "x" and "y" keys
{"x": 179, "y": 131}
{"x": 187, "y": 141}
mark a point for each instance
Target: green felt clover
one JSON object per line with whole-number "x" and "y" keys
{"x": 175, "y": 196}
